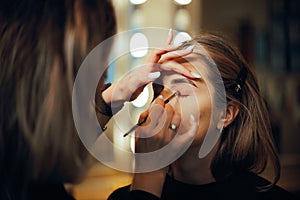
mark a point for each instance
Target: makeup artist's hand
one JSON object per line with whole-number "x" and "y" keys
{"x": 159, "y": 133}
{"x": 130, "y": 86}
{"x": 160, "y": 128}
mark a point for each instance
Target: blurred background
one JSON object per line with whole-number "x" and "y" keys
{"x": 268, "y": 34}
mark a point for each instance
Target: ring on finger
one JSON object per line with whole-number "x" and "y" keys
{"x": 173, "y": 127}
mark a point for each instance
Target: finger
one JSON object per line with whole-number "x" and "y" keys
{"x": 156, "y": 111}
{"x": 158, "y": 101}
{"x": 170, "y": 37}
{"x": 139, "y": 78}
{"x": 175, "y": 123}
{"x": 177, "y": 67}
{"x": 186, "y": 138}
{"x": 177, "y": 54}
{"x": 156, "y": 55}
{"x": 170, "y": 112}
{"x": 168, "y": 133}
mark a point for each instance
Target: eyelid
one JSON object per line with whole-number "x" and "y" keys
{"x": 184, "y": 80}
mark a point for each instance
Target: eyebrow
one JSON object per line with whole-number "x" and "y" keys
{"x": 183, "y": 80}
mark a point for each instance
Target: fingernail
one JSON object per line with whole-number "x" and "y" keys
{"x": 190, "y": 47}
{"x": 161, "y": 97}
{"x": 170, "y": 32}
{"x": 195, "y": 75}
{"x": 192, "y": 117}
{"x": 154, "y": 75}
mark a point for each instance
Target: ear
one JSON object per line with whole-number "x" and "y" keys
{"x": 231, "y": 112}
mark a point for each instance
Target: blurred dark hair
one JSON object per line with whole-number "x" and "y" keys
{"x": 42, "y": 45}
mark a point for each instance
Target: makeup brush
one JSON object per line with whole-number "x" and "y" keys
{"x": 167, "y": 100}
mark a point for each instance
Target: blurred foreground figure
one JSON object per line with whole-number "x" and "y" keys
{"x": 42, "y": 45}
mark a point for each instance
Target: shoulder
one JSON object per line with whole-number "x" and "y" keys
{"x": 273, "y": 193}
{"x": 279, "y": 193}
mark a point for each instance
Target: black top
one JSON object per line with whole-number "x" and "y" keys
{"x": 234, "y": 188}
{"x": 48, "y": 191}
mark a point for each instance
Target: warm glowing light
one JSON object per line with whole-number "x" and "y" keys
{"x": 138, "y": 45}
{"x": 182, "y": 19}
{"x": 142, "y": 99}
{"x": 183, "y": 2}
{"x": 136, "y": 2}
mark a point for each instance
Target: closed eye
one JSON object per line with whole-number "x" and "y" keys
{"x": 183, "y": 80}
{"x": 184, "y": 86}
{"x": 182, "y": 95}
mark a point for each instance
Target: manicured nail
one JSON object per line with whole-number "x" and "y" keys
{"x": 195, "y": 75}
{"x": 154, "y": 75}
{"x": 170, "y": 32}
{"x": 190, "y": 47}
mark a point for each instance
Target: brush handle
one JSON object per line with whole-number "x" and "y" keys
{"x": 135, "y": 126}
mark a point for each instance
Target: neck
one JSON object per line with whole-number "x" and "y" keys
{"x": 189, "y": 168}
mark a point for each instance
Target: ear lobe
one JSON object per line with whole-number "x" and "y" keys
{"x": 231, "y": 113}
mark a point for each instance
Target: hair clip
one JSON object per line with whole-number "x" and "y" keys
{"x": 241, "y": 79}
{"x": 238, "y": 88}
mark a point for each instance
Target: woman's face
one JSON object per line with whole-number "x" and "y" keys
{"x": 193, "y": 98}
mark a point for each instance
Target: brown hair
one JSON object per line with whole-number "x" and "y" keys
{"x": 247, "y": 144}
{"x": 42, "y": 46}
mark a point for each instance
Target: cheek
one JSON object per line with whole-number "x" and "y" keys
{"x": 200, "y": 107}
{"x": 204, "y": 121}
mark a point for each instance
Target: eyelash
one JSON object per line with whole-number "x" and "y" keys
{"x": 181, "y": 95}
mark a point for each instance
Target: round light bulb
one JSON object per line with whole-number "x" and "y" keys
{"x": 181, "y": 37}
{"x": 142, "y": 99}
{"x": 137, "y": 2}
{"x": 138, "y": 45}
{"x": 183, "y": 2}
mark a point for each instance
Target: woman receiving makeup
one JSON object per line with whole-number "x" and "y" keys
{"x": 232, "y": 144}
